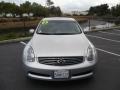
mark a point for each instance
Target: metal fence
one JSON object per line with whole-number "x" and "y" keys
{"x": 100, "y": 23}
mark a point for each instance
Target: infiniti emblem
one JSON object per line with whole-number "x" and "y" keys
{"x": 60, "y": 60}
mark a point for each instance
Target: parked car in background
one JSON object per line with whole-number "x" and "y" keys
{"x": 59, "y": 51}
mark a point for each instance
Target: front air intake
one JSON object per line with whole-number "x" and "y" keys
{"x": 61, "y": 61}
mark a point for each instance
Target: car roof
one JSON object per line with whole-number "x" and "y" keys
{"x": 59, "y": 18}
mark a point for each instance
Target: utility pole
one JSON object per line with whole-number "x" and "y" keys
{"x": 89, "y": 24}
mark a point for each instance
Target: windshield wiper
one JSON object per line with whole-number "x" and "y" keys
{"x": 46, "y": 33}
{"x": 58, "y": 33}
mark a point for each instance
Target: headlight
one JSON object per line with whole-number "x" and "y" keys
{"x": 30, "y": 55}
{"x": 91, "y": 53}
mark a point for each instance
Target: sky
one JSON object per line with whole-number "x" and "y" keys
{"x": 72, "y": 5}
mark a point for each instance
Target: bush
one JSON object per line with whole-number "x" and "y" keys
{"x": 13, "y": 33}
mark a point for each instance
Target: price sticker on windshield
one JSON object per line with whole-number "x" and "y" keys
{"x": 44, "y": 22}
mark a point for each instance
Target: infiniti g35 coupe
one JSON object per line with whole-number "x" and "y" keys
{"x": 59, "y": 51}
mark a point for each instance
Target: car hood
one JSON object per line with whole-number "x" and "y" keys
{"x": 59, "y": 45}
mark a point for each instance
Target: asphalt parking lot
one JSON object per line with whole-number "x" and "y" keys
{"x": 107, "y": 75}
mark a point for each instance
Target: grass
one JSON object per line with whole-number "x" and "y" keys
{"x": 6, "y": 34}
{"x": 13, "y": 35}
{"x": 20, "y": 24}
{"x": 12, "y": 28}
{"x": 7, "y": 23}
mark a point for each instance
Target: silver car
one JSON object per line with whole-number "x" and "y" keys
{"x": 59, "y": 51}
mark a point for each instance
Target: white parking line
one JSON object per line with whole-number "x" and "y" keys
{"x": 108, "y": 52}
{"x": 109, "y": 33}
{"x": 104, "y": 38}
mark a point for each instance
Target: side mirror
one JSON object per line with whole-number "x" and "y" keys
{"x": 86, "y": 29}
{"x": 31, "y": 31}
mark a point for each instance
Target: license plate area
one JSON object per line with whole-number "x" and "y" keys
{"x": 61, "y": 74}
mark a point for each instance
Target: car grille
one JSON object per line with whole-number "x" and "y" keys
{"x": 61, "y": 61}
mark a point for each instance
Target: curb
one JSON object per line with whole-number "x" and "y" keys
{"x": 104, "y": 29}
{"x": 15, "y": 40}
{"x": 28, "y": 38}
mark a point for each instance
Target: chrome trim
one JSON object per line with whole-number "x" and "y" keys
{"x": 38, "y": 77}
{"x": 82, "y": 76}
{"x": 49, "y": 78}
{"x": 61, "y": 61}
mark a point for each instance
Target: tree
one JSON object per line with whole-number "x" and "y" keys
{"x": 115, "y": 10}
{"x": 8, "y": 8}
{"x": 100, "y": 10}
{"x": 1, "y": 7}
{"x": 49, "y": 3}
{"x": 26, "y": 7}
{"x": 37, "y": 9}
{"x": 55, "y": 11}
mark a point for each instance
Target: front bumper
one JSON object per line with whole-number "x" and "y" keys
{"x": 45, "y": 72}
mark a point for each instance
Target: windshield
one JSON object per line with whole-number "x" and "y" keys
{"x": 59, "y": 27}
